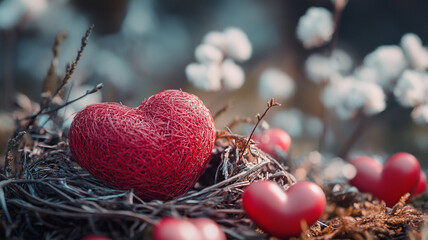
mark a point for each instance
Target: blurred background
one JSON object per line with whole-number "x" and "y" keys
{"x": 140, "y": 47}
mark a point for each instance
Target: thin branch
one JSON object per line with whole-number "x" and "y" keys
{"x": 13, "y": 144}
{"x": 50, "y": 81}
{"x": 88, "y": 92}
{"x": 70, "y": 70}
{"x": 337, "y": 15}
{"x": 270, "y": 104}
{"x": 222, "y": 110}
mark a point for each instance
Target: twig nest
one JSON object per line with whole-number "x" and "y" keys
{"x": 158, "y": 149}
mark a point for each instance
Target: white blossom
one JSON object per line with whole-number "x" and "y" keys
{"x": 233, "y": 75}
{"x": 238, "y": 45}
{"x": 216, "y": 39}
{"x": 416, "y": 54}
{"x": 232, "y": 41}
{"x": 347, "y": 96}
{"x": 290, "y": 121}
{"x": 367, "y": 74}
{"x": 388, "y": 62}
{"x": 204, "y": 76}
{"x": 320, "y": 68}
{"x": 274, "y": 83}
{"x": 216, "y": 67}
{"x": 412, "y": 88}
{"x": 315, "y": 28}
{"x": 420, "y": 114}
{"x": 206, "y": 53}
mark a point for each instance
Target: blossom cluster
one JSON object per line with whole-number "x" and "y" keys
{"x": 390, "y": 70}
{"x": 216, "y": 55}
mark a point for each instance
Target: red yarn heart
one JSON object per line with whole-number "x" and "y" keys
{"x": 158, "y": 149}
{"x": 389, "y": 182}
{"x": 280, "y": 213}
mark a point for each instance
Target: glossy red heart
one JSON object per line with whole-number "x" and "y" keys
{"x": 272, "y": 141}
{"x": 282, "y": 213}
{"x": 422, "y": 185}
{"x": 170, "y": 228}
{"x": 389, "y": 182}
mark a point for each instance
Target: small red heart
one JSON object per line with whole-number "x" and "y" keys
{"x": 389, "y": 182}
{"x": 170, "y": 228}
{"x": 273, "y": 140}
{"x": 282, "y": 213}
{"x": 422, "y": 185}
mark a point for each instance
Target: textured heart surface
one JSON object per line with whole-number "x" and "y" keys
{"x": 389, "y": 182}
{"x": 283, "y": 213}
{"x": 158, "y": 149}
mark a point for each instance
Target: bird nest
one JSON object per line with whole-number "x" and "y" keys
{"x": 54, "y": 198}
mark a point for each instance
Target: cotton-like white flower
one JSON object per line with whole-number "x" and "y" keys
{"x": 216, "y": 56}
{"x": 237, "y": 43}
{"x": 290, "y": 121}
{"x": 316, "y": 27}
{"x": 232, "y": 41}
{"x": 204, "y": 76}
{"x": 320, "y": 68}
{"x": 420, "y": 114}
{"x": 274, "y": 83}
{"x": 412, "y": 88}
{"x": 416, "y": 54}
{"x": 388, "y": 61}
{"x": 233, "y": 75}
{"x": 216, "y": 39}
{"x": 374, "y": 96}
{"x": 347, "y": 96}
{"x": 367, "y": 74}
{"x": 206, "y": 53}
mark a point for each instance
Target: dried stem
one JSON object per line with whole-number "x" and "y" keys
{"x": 88, "y": 92}
{"x": 236, "y": 120}
{"x": 222, "y": 110}
{"x": 70, "y": 70}
{"x": 270, "y": 104}
{"x": 51, "y": 80}
{"x": 337, "y": 14}
{"x": 13, "y": 144}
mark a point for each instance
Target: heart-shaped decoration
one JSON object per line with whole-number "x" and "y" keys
{"x": 273, "y": 141}
{"x": 389, "y": 182}
{"x": 283, "y": 213}
{"x": 158, "y": 149}
{"x": 170, "y": 228}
